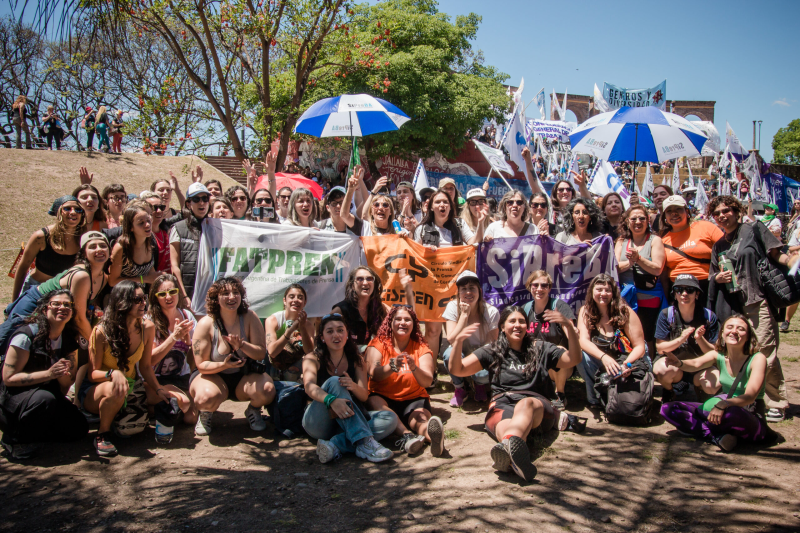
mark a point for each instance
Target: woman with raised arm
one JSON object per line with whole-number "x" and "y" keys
{"x": 582, "y": 222}
{"x": 264, "y": 200}
{"x": 172, "y": 350}
{"x": 332, "y": 211}
{"x": 400, "y": 368}
{"x": 409, "y": 205}
{"x": 335, "y": 377}
{"x": 289, "y": 333}
{"x": 469, "y": 308}
{"x": 513, "y": 219}
{"x": 737, "y": 369}
{"x": 38, "y": 368}
{"x": 475, "y": 203}
{"x": 134, "y": 255}
{"x": 165, "y": 189}
{"x": 379, "y": 213}
{"x": 252, "y": 175}
{"x": 518, "y": 366}
{"x": 118, "y": 343}
{"x": 54, "y": 247}
{"x": 611, "y": 335}
{"x": 223, "y": 343}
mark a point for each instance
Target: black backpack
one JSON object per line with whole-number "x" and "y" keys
{"x": 628, "y": 401}
{"x": 288, "y": 408}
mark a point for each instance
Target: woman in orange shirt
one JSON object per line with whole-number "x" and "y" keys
{"x": 687, "y": 244}
{"x": 401, "y": 366}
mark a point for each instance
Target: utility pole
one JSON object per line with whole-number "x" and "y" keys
{"x": 759, "y": 134}
{"x": 754, "y": 135}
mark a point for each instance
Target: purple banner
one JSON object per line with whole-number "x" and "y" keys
{"x": 505, "y": 264}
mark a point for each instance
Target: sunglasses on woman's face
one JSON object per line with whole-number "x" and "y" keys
{"x": 637, "y": 219}
{"x": 540, "y": 285}
{"x": 139, "y": 300}
{"x": 171, "y": 292}
{"x": 381, "y": 204}
{"x": 476, "y": 203}
{"x": 539, "y": 205}
{"x": 198, "y": 199}
{"x": 516, "y": 202}
{"x": 368, "y": 279}
{"x": 687, "y": 290}
{"x": 72, "y": 209}
{"x": 262, "y": 201}
{"x": 239, "y": 198}
{"x": 161, "y": 207}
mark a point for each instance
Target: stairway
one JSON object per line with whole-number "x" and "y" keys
{"x": 230, "y": 166}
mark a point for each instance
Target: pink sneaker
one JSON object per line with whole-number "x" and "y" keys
{"x": 481, "y": 393}
{"x": 458, "y": 398}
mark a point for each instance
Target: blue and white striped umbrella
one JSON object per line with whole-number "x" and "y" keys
{"x": 350, "y": 115}
{"x": 638, "y": 134}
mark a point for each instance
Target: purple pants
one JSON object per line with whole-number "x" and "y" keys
{"x": 690, "y": 418}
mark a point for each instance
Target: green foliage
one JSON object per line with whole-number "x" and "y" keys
{"x": 786, "y": 144}
{"x": 429, "y": 71}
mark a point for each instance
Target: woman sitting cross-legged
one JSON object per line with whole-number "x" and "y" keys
{"x": 470, "y": 308}
{"x": 736, "y": 413}
{"x": 518, "y": 366}
{"x": 38, "y": 369}
{"x": 400, "y": 368}
{"x": 335, "y": 377}
{"x": 222, "y": 343}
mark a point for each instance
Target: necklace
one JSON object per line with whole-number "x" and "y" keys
{"x": 336, "y": 368}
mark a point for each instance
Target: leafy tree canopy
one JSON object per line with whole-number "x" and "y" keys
{"x": 786, "y": 144}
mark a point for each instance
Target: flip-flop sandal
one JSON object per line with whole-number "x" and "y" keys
{"x": 567, "y": 422}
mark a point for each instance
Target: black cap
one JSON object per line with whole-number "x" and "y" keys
{"x": 686, "y": 280}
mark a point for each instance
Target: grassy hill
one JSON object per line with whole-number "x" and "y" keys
{"x": 32, "y": 179}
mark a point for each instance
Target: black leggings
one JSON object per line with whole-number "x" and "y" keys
{"x": 54, "y": 133}
{"x": 38, "y": 415}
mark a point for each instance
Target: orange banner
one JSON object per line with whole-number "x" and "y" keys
{"x": 433, "y": 274}
{"x": 13, "y": 272}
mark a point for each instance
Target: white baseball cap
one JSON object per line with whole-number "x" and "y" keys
{"x": 195, "y": 189}
{"x": 475, "y": 193}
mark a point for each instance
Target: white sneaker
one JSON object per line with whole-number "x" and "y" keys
{"x": 203, "y": 426}
{"x": 775, "y": 415}
{"x": 373, "y": 452}
{"x": 436, "y": 434}
{"x": 257, "y": 422}
{"x": 327, "y": 451}
{"x": 411, "y": 443}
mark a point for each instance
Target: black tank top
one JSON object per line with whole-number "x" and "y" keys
{"x": 358, "y": 329}
{"x": 49, "y": 261}
{"x": 323, "y": 375}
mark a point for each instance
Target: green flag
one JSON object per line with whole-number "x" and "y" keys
{"x": 355, "y": 159}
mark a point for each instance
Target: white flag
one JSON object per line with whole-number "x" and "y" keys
{"x": 691, "y": 178}
{"x": 676, "y": 180}
{"x": 665, "y": 180}
{"x": 701, "y": 198}
{"x": 554, "y": 100}
{"x": 725, "y": 188}
{"x": 515, "y": 139}
{"x": 732, "y": 141}
{"x": 540, "y": 103}
{"x": 420, "y": 179}
{"x": 636, "y": 188}
{"x": 573, "y": 167}
{"x": 599, "y": 102}
{"x": 564, "y": 107}
{"x": 494, "y": 157}
{"x": 606, "y": 181}
{"x": 648, "y": 186}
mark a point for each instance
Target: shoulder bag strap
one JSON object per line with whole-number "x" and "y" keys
{"x": 687, "y": 256}
{"x": 738, "y": 377}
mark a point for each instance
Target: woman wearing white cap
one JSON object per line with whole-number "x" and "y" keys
{"x": 466, "y": 309}
{"x": 687, "y": 244}
{"x": 513, "y": 223}
{"x": 476, "y": 202}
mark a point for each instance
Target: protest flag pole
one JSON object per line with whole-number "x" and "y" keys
{"x": 635, "y": 146}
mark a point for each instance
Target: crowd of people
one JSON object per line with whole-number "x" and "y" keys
{"x": 101, "y": 330}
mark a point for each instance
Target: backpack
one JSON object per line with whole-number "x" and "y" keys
{"x": 528, "y": 306}
{"x": 676, "y": 323}
{"x": 288, "y": 408}
{"x": 628, "y": 401}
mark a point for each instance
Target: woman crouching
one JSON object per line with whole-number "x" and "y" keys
{"x": 518, "y": 366}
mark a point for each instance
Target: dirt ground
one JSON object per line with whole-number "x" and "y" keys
{"x": 609, "y": 479}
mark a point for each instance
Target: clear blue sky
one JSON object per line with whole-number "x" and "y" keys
{"x": 742, "y": 54}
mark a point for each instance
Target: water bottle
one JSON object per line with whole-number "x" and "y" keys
{"x": 726, "y": 265}
{"x": 397, "y": 227}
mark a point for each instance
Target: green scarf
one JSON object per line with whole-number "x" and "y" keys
{"x": 766, "y": 219}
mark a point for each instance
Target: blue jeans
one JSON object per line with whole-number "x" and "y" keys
{"x": 345, "y": 432}
{"x": 588, "y": 368}
{"x": 17, "y": 311}
{"x": 479, "y": 378}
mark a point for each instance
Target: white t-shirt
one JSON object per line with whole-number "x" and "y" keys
{"x": 445, "y": 237}
{"x": 496, "y": 230}
{"x": 491, "y": 317}
{"x": 773, "y": 225}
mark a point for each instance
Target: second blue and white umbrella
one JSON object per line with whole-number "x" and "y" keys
{"x": 350, "y": 115}
{"x": 638, "y": 134}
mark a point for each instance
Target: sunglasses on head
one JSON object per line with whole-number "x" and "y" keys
{"x": 198, "y": 199}
{"x": 171, "y": 292}
{"x": 72, "y": 209}
{"x": 331, "y": 315}
{"x": 687, "y": 290}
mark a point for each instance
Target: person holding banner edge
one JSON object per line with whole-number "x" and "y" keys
{"x": 518, "y": 366}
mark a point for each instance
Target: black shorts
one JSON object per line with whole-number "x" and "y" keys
{"x": 404, "y": 408}
{"x": 231, "y": 381}
{"x": 182, "y": 382}
{"x": 503, "y": 409}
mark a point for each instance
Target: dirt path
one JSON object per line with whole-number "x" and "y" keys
{"x": 609, "y": 479}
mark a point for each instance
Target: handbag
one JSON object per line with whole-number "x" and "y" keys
{"x": 780, "y": 289}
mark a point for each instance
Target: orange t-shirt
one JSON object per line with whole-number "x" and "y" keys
{"x": 695, "y": 241}
{"x": 402, "y": 385}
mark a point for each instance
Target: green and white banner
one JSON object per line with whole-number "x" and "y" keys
{"x": 270, "y": 257}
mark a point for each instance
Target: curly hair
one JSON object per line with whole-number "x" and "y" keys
{"x": 729, "y": 201}
{"x": 156, "y": 314}
{"x": 624, "y": 229}
{"x": 618, "y": 310}
{"x": 376, "y": 312}
{"x": 750, "y": 347}
{"x": 351, "y": 351}
{"x": 596, "y": 217}
{"x": 115, "y": 321}
{"x": 39, "y": 317}
{"x": 500, "y": 348}
{"x": 233, "y": 190}
{"x": 384, "y": 334}
{"x": 507, "y": 197}
{"x": 212, "y": 296}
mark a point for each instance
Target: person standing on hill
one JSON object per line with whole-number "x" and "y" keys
{"x": 20, "y": 121}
